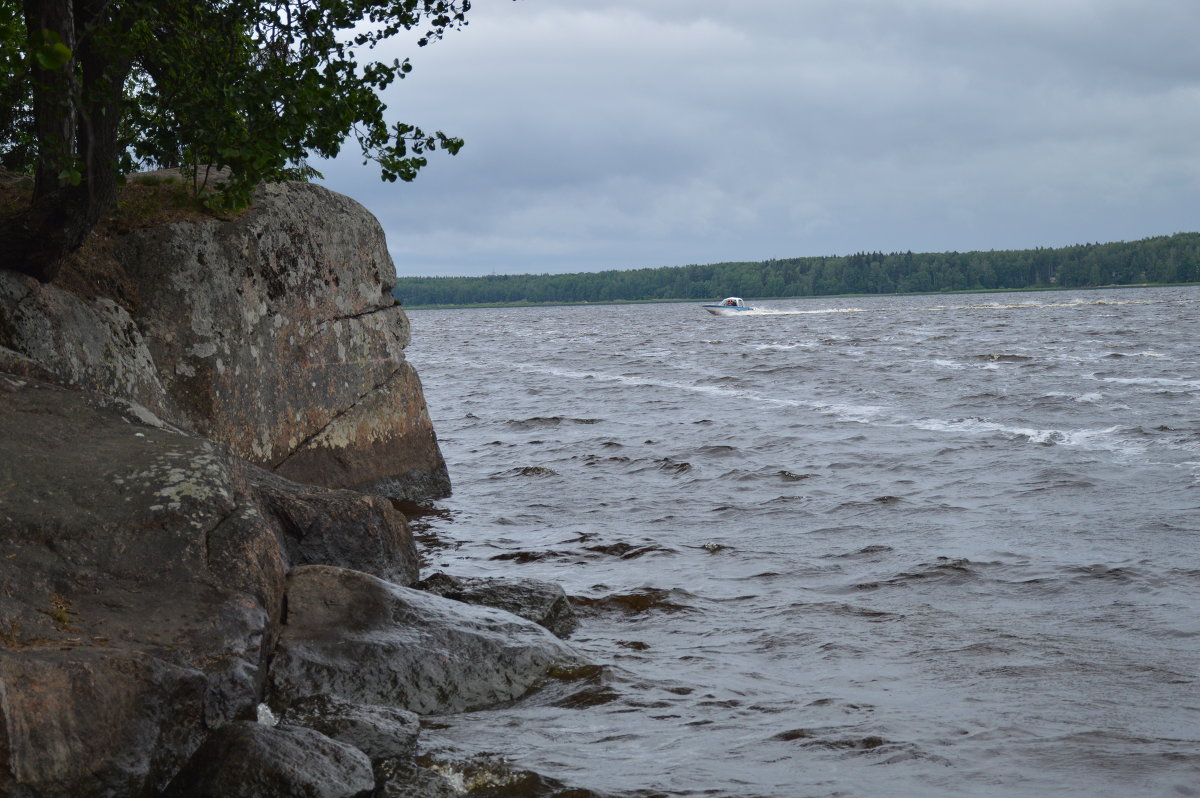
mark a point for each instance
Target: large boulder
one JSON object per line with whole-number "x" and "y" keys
{"x": 277, "y": 334}
{"x": 140, "y": 588}
{"x": 354, "y": 636}
{"x": 339, "y": 527}
{"x": 274, "y": 333}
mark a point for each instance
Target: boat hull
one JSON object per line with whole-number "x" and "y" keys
{"x": 725, "y": 310}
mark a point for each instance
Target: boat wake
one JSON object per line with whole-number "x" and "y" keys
{"x": 1028, "y": 305}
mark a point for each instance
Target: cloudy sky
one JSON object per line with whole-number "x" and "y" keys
{"x": 619, "y": 134}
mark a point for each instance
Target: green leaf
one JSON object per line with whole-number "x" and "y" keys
{"x": 70, "y": 176}
{"x": 50, "y": 52}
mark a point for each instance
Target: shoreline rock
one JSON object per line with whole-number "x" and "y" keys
{"x": 140, "y": 589}
{"x": 152, "y": 593}
{"x": 198, "y": 514}
{"x": 365, "y": 640}
{"x": 271, "y": 334}
{"x": 544, "y": 603}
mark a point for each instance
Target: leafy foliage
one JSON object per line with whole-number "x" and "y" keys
{"x": 1163, "y": 259}
{"x": 17, "y": 139}
{"x": 255, "y": 86}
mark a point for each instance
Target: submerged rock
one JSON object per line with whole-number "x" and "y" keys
{"x": 544, "y": 603}
{"x": 407, "y": 780}
{"x": 355, "y": 636}
{"x": 490, "y": 776}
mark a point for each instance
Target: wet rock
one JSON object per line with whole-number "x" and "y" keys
{"x": 340, "y": 527}
{"x": 489, "y": 776}
{"x": 407, "y": 780}
{"x": 382, "y": 733}
{"x": 250, "y": 760}
{"x": 544, "y": 603}
{"x": 365, "y": 640}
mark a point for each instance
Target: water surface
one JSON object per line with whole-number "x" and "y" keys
{"x": 893, "y": 546}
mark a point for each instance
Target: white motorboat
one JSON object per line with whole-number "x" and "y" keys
{"x": 729, "y": 306}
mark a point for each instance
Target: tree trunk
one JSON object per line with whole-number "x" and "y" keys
{"x": 105, "y": 65}
{"x": 77, "y": 112}
{"x": 35, "y": 240}
{"x": 53, "y": 92}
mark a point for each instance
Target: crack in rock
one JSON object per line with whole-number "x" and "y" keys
{"x": 361, "y": 314}
{"x": 299, "y": 447}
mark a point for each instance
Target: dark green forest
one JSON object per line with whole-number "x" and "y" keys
{"x": 1162, "y": 259}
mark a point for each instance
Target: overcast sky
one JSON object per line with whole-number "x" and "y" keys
{"x": 620, "y": 134}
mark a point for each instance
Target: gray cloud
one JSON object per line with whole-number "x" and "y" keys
{"x": 627, "y": 133}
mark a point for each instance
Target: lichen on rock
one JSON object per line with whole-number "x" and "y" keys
{"x": 197, "y": 516}
{"x": 268, "y": 333}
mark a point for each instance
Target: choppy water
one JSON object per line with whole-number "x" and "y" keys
{"x": 896, "y": 546}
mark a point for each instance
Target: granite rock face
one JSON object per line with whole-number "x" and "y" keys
{"x": 51, "y": 334}
{"x": 140, "y": 587}
{"x": 275, "y": 334}
{"x": 142, "y": 576}
{"x": 197, "y": 518}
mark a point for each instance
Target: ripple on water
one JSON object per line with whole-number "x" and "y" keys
{"x": 929, "y": 548}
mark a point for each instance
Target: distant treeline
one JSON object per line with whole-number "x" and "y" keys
{"x": 1163, "y": 259}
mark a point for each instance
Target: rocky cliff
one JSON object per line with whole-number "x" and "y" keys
{"x": 275, "y": 333}
{"x": 198, "y": 532}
